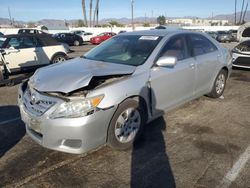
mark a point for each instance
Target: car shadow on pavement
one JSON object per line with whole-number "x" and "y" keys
{"x": 150, "y": 163}
{"x": 11, "y": 132}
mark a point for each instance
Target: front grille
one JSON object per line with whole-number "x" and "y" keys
{"x": 242, "y": 61}
{"x": 36, "y": 103}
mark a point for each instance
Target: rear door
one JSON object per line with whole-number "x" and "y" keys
{"x": 207, "y": 56}
{"x": 173, "y": 86}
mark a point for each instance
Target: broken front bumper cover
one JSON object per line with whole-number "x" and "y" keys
{"x": 71, "y": 135}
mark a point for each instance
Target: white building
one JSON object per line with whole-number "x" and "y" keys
{"x": 196, "y": 22}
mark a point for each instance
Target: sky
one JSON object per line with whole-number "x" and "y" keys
{"x": 33, "y": 10}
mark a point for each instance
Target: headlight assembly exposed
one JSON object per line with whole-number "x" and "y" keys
{"x": 77, "y": 108}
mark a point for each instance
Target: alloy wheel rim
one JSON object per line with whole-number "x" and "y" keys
{"x": 59, "y": 59}
{"x": 127, "y": 125}
{"x": 220, "y": 84}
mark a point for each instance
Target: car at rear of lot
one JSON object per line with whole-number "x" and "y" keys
{"x": 241, "y": 55}
{"x": 69, "y": 38}
{"x": 224, "y": 36}
{"x": 110, "y": 93}
{"x": 102, "y": 37}
{"x": 32, "y": 31}
{"x": 86, "y": 36}
{"x": 25, "y": 52}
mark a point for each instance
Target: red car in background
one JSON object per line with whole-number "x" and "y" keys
{"x": 101, "y": 37}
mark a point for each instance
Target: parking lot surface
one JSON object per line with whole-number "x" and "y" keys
{"x": 205, "y": 143}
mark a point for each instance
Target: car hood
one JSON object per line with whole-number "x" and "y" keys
{"x": 74, "y": 74}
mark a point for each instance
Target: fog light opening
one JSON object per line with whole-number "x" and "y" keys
{"x": 72, "y": 143}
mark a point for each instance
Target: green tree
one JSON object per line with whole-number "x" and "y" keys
{"x": 80, "y": 23}
{"x": 31, "y": 24}
{"x": 146, "y": 24}
{"x": 161, "y": 20}
{"x": 115, "y": 23}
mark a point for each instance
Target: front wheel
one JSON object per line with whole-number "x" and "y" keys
{"x": 126, "y": 125}
{"x": 219, "y": 84}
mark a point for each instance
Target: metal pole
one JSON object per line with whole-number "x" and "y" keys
{"x": 235, "y": 13}
{"x": 132, "y": 14}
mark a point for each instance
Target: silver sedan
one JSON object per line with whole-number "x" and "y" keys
{"x": 110, "y": 93}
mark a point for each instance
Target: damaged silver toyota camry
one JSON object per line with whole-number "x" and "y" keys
{"x": 110, "y": 93}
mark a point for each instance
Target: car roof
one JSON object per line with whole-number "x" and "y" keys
{"x": 157, "y": 32}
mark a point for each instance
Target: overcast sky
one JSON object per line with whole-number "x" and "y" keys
{"x": 32, "y": 10}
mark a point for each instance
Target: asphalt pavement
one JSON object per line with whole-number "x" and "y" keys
{"x": 204, "y": 143}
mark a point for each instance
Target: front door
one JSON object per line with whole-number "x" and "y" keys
{"x": 171, "y": 87}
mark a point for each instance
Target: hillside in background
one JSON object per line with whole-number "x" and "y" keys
{"x": 56, "y": 22}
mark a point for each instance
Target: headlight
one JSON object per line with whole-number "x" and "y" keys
{"x": 77, "y": 108}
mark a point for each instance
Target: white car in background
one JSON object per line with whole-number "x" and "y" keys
{"x": 86, "y": 36}
{"x": 24, "y": 52}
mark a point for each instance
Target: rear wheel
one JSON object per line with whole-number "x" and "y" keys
{"x": 219, "y": 84}
{"x": 76, "y": 43}
{"x": 126, "y": 125}
{"x": 58, "y": 58}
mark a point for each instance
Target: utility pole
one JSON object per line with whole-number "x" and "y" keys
{"x": 132, "y": 14}
{"x": 235, "y": 13}
{"x": 10, "y": 16}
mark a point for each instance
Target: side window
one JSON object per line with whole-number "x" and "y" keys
{"x": 201, "y": 45}
{"x": 28, "y": 42}
{"x": 176, "y": 47}
{"x": 14, "y": 42}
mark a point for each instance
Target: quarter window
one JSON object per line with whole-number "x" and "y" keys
{"x": 201, "y": 45}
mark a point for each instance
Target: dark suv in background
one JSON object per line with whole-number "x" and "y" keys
{"x": 69, "y": 38}
{"x": 224, "y": 36}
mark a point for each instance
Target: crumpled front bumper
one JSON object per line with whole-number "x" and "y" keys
{"x": 71, "y": 135}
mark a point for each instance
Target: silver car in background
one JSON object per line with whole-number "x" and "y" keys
{"x": 108, "y": 95}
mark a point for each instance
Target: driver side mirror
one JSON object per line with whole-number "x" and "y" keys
{"x": 167, "y": 61}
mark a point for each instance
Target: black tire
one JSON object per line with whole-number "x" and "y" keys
{"x": 76, "y": 43}
{"x": 112, "y": 139}
{"x": 58, "y": 58}
{"x": 217, "y": 90}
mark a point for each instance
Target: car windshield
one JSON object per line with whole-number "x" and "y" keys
{"x": 2, "y": 39}
{"x": 127, "y": 49}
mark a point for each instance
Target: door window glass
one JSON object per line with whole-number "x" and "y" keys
{"x": 201, "y": 45}
{"x": 176, "y": 47}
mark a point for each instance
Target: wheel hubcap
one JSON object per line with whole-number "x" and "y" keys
{"x": 59, "y": 59}
{"x": 127, "y": 125}
{"x": 220, "y": 83}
